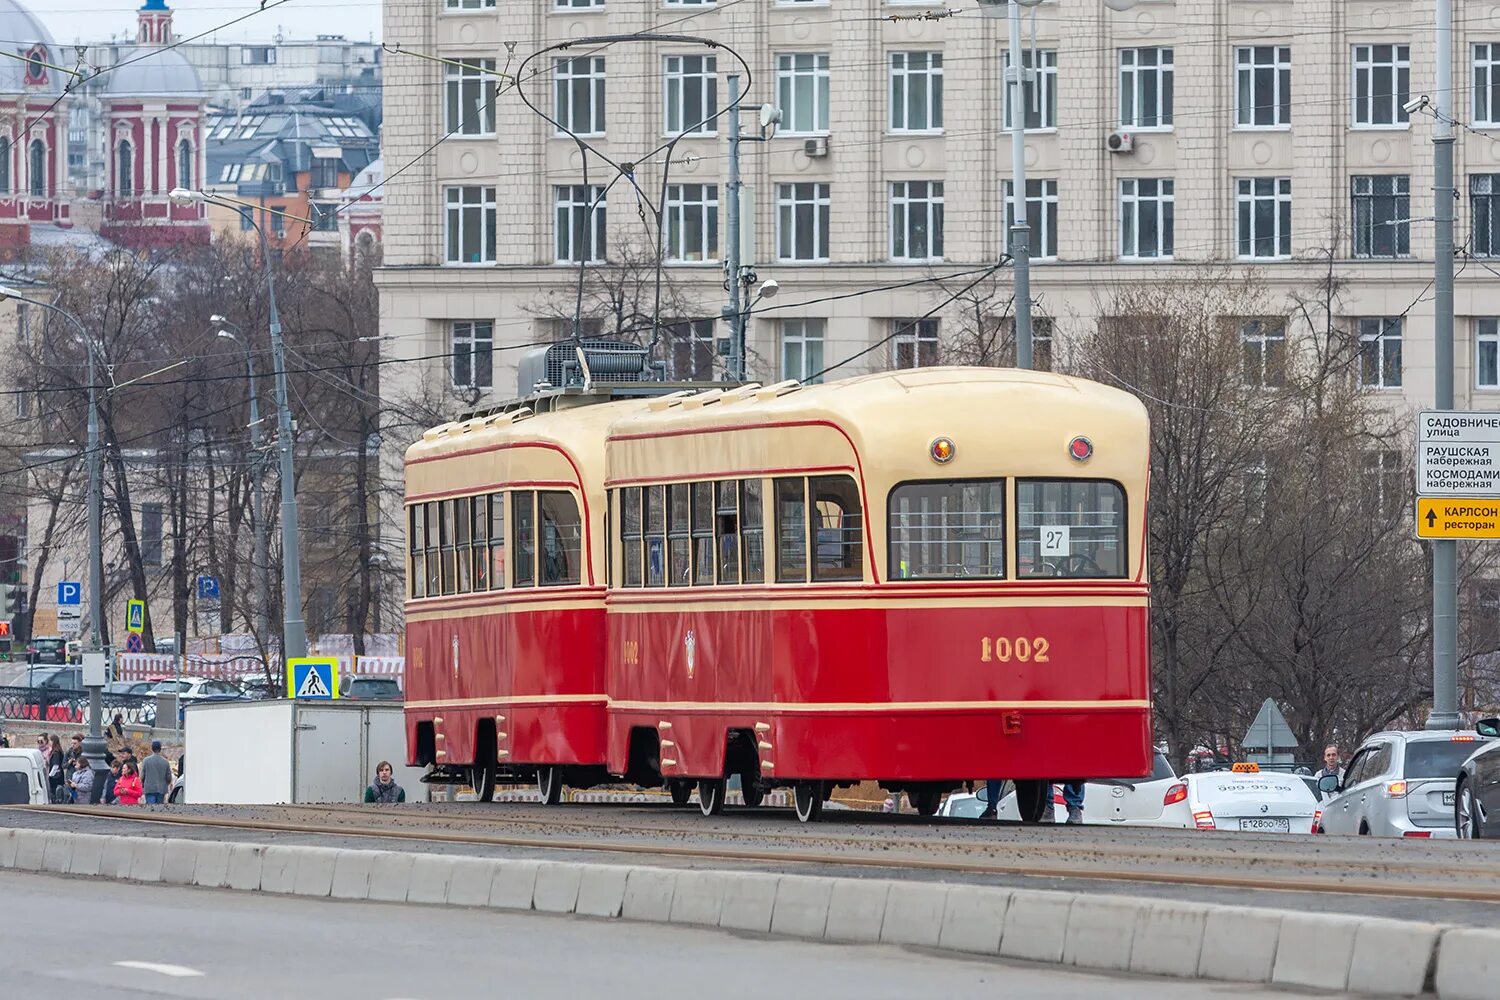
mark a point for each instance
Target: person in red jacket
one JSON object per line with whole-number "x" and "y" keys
{"x": 128, "y": 789}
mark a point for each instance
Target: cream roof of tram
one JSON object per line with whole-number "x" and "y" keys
{"x": 868, "y": 405}
{"x": 580, "y": 431}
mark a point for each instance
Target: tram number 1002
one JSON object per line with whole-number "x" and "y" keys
{"x": 1003, "y": 649}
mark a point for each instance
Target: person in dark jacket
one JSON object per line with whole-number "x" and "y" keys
{"x": 56, "y": 765}
{"x": 156, "y": 775}
{"x": 107, "y": 796}
{"x": 384, "y": 787}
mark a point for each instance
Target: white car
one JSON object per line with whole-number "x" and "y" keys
{"x": 1247, "y": 799}
{"x": 1106, "y": 801}
{"x": 23, "y": 778}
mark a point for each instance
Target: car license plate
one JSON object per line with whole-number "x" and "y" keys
{"x": 1267, "y": 825}
{"x": 1447, "y": 798}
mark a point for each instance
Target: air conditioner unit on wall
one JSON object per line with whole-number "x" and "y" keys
{"x": 816, "y": 148}
{"x": 1120, "y": 142}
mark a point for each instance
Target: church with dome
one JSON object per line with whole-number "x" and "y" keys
{"x": 153, "y": 105}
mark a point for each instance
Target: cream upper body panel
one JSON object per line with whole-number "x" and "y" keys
{"x": 1004, "y": 423}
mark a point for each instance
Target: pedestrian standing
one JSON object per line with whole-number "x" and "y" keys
{"x": 75, "y": 748}
{"x": 993, "y": 790}
{"x": 1331, "y": 763}
{"x": 56, "y": 779}
{"x": 107, "y": 796}
{"x": 82, "y": 782}
{"x": 1073, "y": 798}
{"x": 384, "y": 787}
{"x": 156, "y": 775}
{"x": 128, "y": 788}
{"x": 116, "y": 727}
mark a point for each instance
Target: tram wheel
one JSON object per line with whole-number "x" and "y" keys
{"x": 808, "y": 797}
{"x": 926, "y": 801}
{"x": 681, "y": 790}
{"x": 482, "y": 780}
{"x": 1031, "y": 799}
{"x": 751, "y": 790}
{"x": 711, "y": 796}
{"x": 549, "y": 784}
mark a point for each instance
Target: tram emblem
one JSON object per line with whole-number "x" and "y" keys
{"x": 690, "y": 648}
{"x": 455, "y": 655}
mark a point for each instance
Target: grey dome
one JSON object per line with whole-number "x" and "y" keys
{"x": 20, "y": 30}
{"x": 152, "y": 72}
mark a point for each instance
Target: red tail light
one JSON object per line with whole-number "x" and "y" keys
{"x": 1057, "y": 798}
{"x": 1417, "y": 833}
{"x": 1176, "y": 793}
{"x": 1204, "y": 819}
{"x": 1318, "y": 821}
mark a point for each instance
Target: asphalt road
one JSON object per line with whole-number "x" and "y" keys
{"x": 158, "y": 941}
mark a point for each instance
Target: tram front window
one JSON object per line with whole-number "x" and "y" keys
{"x": 948, "y": 530}
{"x": 1070, "y": 528}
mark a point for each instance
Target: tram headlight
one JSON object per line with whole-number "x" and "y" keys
{"x": 942, "y": 450}
{"x": 1081, "y": 449}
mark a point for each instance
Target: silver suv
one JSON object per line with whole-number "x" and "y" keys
{"x": 1399, "y": 784}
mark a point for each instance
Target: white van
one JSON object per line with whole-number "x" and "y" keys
{"x": 23, "y": 778}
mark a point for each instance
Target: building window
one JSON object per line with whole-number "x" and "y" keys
{"x": 124, "y": 170}
{"x": 151, "y": 534}
{"x": 325, "y": 217}
{"x": 1380, "y": 352}
{"x": 579, "y": 89}
{"x": 1265, "y": 216}
{"x": 914, "y": 343}
{"x": 802, "y": 221}
{"x": 1146, "y": 88}
{"x": 5, "y": 150}
{"x": 325, "y": 171}
{"x": 473, "y": 351}
{"x": 1382, "y": 84}
{"x": 471, "y": 225}
{"x": 1385, "y": 482}
{"x": 916, "y": 91}
{"x": 692, "y": 222}
{"x": 469, "y": 92}
{"x": 559, "y": 4}
{"x": 1263, "y": 86}
{"x": 1041, "y": 216}
{"x": 1263, "y": 347}
{"x": 692, "y": 349}
{"x": 1487, "y": 353}
{"x": 802, "y": 88}
{"x": 690, "y": 3}
{"x": 1487, "y": 83}
{"x": 185, "y": 169}
{"x": 38, "y": 169}
{"x": 917, "y": 220}
{"x": 258, "y": 55}
{"x": 1146, "y": 217}
{"x": 1382, "y": 215}
{"x": 1038, "y": 90}
{"x": 692, "y": 95}
{"x": 1484, "y": 192}
{"x": 581, "y": 215}
{"x": 802, "y": 349}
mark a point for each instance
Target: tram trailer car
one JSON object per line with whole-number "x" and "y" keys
{"x": 913, "y": 577}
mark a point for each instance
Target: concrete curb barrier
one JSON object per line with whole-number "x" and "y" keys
{"x": 1089, "y": 931}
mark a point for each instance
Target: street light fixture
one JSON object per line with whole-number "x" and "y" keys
{"x": 257, "y": 494}
{"x": 294, "y": 631}
{"x": 94, "y": 746}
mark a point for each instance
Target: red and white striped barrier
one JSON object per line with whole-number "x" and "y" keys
{"x": 149, "y": 666}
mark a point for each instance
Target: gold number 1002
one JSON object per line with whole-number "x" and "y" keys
{"x": 1004, "y": 649}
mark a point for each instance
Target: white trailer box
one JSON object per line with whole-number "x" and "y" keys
{"x": 273, "y": 752}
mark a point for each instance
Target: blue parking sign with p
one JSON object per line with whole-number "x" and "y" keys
{"x": 69, "y": 592}
{"x": 208, "y": 588}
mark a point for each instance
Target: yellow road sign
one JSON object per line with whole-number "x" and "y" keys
{"x": 1456, "y": 518}
{"x": 135, "y": 616}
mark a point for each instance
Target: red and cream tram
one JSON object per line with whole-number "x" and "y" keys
{"x": 914, "y": 577}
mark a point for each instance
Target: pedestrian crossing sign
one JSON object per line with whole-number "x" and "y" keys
{"x": 313, "y": 678}
{"x": 135, "y": 617}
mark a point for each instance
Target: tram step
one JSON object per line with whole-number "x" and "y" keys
{"x": 446, "y": 774}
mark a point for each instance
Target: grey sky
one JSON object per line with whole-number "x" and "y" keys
{"x": 96, "y": 20}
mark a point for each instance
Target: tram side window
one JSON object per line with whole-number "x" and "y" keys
{"x": 656, "y": 536}
{"x": 523, "y": 537}
{"x": 1070, "y": 528}
{"x": 463, "y": 523}
{"x": 839, "y": 528}
{"x": 632, "y": 522}
{"x": 679, "y": 535}
{"x": 726, "y": 529}
{"x": 480, "y": 557}
{"x": 948, "y": 530}
{"x": 562, "y": 538}
{"x": 417, "y": 544}
{"x": 703, "y": 534}
{"x": 497, "y": 541}
{"x": 752, "y": 532}
{"x": 434, "y": 553}
{"x": 445, "y": 532}
{"x": 791, "y": 531}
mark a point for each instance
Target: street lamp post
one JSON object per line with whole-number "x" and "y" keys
{"x": 94, "y": 747}
{"x": 294, "y": 631}
{"x": 257, "y": 493}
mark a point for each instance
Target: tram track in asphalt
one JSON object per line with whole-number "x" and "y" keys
{"x": 1267, "y": 864}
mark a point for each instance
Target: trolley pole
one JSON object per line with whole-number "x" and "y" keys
{"x": 733, "y": 312}
{"x": 1444, "y": 552}
{"x": 1020, "y": 230}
